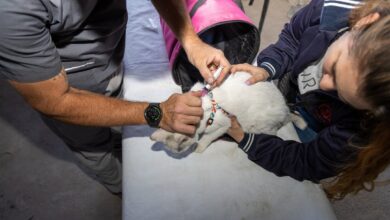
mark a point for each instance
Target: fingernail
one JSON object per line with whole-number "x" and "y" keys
{"x": 248, "y": 82}
{"x": 210, "y": 80}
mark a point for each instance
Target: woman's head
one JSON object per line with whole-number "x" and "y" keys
{"x": 354, "y": 61}
{"x": 358, "y": 66}
{"x": 341, "y": 73}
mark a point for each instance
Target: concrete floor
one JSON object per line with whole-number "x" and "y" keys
{"x": 39, "y": 179}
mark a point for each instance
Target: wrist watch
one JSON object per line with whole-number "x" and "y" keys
{"x": 153, "y": 114}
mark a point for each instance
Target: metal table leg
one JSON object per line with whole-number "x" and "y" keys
{"x": 263, "y": 13}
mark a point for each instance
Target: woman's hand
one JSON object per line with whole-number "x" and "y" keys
{"x": 235, "y": 131}
{"x": 258, "y": 74}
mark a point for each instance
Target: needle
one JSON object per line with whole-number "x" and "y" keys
{"x": 215, "y": 76}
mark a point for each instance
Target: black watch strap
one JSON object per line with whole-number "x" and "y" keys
{"x": 153, "y": 114}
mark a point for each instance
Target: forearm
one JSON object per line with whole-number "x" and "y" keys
{"x": 279, "y": 57}
{"x": 86, "y": 108}
{"x": 200, "y": 54}
{"x": 176, "y": 16}
{"x": 302, "y": 161}
{"x": 55, "y": 98}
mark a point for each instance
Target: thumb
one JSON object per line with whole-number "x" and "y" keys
{"x": 206, "y": 74}
{"x": 196, "y": 93}
{"x": 233, "y": 118}
{"x": 251, "y": 81}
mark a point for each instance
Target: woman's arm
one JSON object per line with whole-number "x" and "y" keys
{"x": 315, "y": 160}
{"x": 278, "y": 58}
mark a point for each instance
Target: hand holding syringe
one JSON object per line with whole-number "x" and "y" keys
{"x": 215, "y": 76}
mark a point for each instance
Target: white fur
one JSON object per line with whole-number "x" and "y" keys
{"x": 259, "y": 108}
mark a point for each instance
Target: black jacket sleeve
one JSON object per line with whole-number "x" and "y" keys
{"x": 279, "y": 57}
{"x": 315, "y": 160}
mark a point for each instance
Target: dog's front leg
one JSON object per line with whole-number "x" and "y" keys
{"x": 207, "y": 138}
{"x": 174, "y": 142}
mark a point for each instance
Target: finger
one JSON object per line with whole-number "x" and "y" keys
{"x": 237, "y": 123}
{"x": 196, "y": 93}
{"x": 190, "y": 120}
{"x": 256, "y": 78}
{"x": 232, "y": 117}
{"x": 217, "y": 61}
{"x": 234, "y": 123}
{"x": 233, "y": 69}
{"x": 242, "y": 67}
{"x": 226, "y": 66}
{"x": 223, "y": 61}
{"x": 193, "y": 100}
{"x": 212, "y": 67}
{"x": 189, "y": 110}
{"x": 167, "y": 128}
{"x": 192, "y": 111}
{"x": 206, "y": 74}
{"x": 237, "y": 68}
{"x": 225, "y": 72}
{"x": 251, "y": 81}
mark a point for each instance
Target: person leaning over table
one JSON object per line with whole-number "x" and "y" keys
{"x": 65, "y": 59}
{"x": 340, "y": 84}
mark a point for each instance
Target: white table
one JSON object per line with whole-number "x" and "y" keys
{"x": 221, "y": 183}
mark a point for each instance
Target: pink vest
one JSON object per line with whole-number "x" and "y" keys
{"x": 220, "y": 23}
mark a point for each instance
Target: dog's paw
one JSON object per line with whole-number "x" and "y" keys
{"x": 179, "y": 143}
{"x": 174, "y": 142}
{"x": 200, "y": 148}
{"x": 160, "y": 135}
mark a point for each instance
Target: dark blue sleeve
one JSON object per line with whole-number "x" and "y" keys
{"x": 279, "y": 57}
{"x": 315, "y": 160}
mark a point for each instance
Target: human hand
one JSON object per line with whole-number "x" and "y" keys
{"x": 182, "y": 112}
{"x": 235, "y": 131}
{"x": 207, "y": 59}
{"x": 258, "y": 74}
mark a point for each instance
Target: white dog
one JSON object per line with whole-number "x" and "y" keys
{"x": 259, "y": 108}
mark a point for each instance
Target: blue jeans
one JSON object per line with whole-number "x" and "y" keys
{"x": 307, "y": 134}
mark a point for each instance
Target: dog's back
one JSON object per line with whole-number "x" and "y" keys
{"x": 260, "y": 108}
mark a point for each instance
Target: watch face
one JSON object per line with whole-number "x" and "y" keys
{"x": 154, "y": 113}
